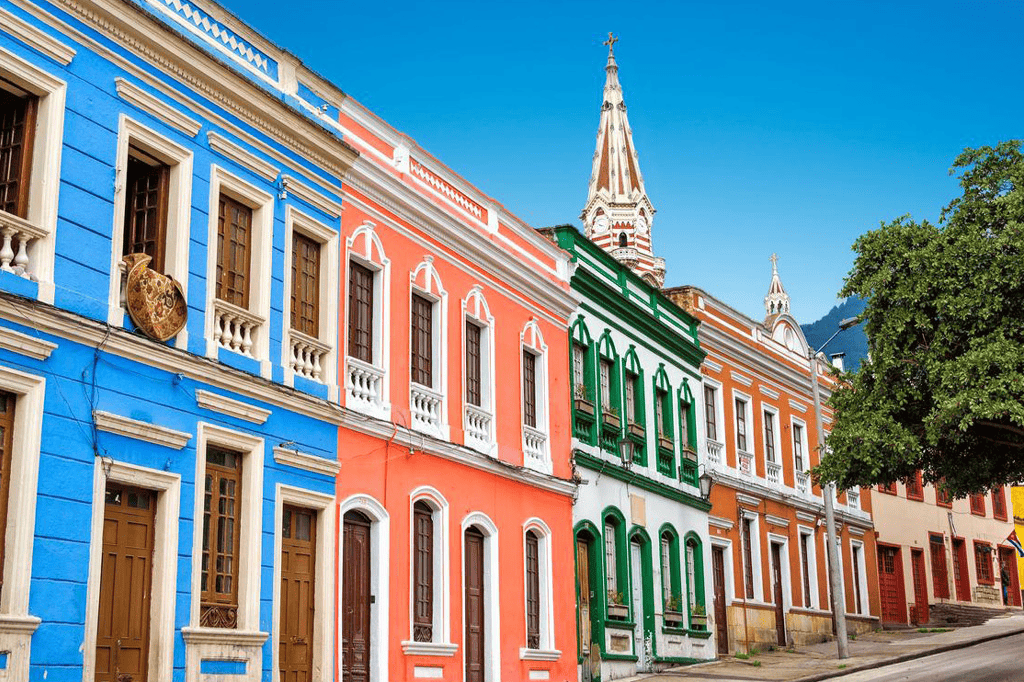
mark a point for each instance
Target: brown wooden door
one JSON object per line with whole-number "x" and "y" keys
{"x": 961, "y": 577}
{"x": 474, "y": 605}
{"x": 355, "y": 599}
{"x": 122, "y": 635}
{"x": 920, "y": 587}
{"x": 890, "y": 585}
{"x": 298, "y": 586}
{"x": 780, "y": 609}
{"x": 721, "y": 626}
{"x": 583, "y": 590}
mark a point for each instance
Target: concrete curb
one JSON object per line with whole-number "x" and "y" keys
{"x": 909, "y": 656}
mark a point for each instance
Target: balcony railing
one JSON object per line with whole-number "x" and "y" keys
{"x": 774, "y": 472}
{"x": 364, "y": 384}
{"x": 746, "y": 462}
{"x": 426, "y": 407}
{"x": 534, "y": 447}
{"x": 853, "y": 498}
{"x": 307, "y": 355}
{"x": 478, "y": 426}
{"x": 803, "y": 483}
{"x": 235, "y": 328}
{"x": 714, "y": 451}
{"x": 16, "y": 236}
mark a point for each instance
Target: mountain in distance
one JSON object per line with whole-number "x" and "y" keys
{"x": 853, "y": 341}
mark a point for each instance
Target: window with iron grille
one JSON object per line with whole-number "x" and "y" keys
{"x": 305, "y": 285}
{"x": 710, "y": 416}
{"x": 610, "y": 559}
{"x": 999, "y": 503}
{"x": 221, "y": 533}
{"x": 7, "y": 402}
{"x": 360, "y": 312}
{"x": 631, "y": 404}
{"x": 741, "y": 424}
{"x": 666, "y": 568}
{"x": 145, "y": 208}
{"x": 748, "y": 559}
{"x": 578, "y": 375}
{"x": 978, "y": 505}
{"x": 983, "y": 562}
{"x": 940, "y": 577}
{"x": 529, "y": 388}
{"x": 473, "y": 379}
{"x": 798, "y": 447}
{"x": 422, "y": 340}
{"x": 17, "y": 129}
{"x": 423, "y": 569}
{"x": 769, "y": 436}
{"x": 234, "y": 240}
{"x": 532, "y": 590}
{"x": 606, "y": 385}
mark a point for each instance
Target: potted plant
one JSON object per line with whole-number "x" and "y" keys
{"x": 611, "y": 418}
{"x": 689, "y": 453}
{"x": 580, "y": 401}
{"x": 698, "y": 617}
{"x": 616, "y": 606}
{"x": 665, "y": 443}
{"x": 636, "y": 430}
{"x": 674, "y": 612}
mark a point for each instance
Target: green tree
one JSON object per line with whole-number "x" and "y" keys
{"x": 943, "y": 389}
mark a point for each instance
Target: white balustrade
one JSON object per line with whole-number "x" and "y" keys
{"x": 307, "y": 355}
{"x": 746, "y": 462}
{"x": 774, "y": 472}
{"x": 478, "y": 426}
{"x": 235, "y": 328}
{"x": 426, "y": 407}
{"x": 714, "y": 451}
{"x": 803, "y": 483}
{"x": 364, "y": 384}
{"x": 16, "y": 236}
{"x": 853, "y": 498}
{"x": 534, "y": 446}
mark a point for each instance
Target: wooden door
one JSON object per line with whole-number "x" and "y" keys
{"x": 890, "y": 585}
{"x": 780, "y": 607}
{"x": 921, "y": 615}
{"x": 355, "y": 598}
{"x": 298, "y": 586}
{"x": 474, "y": 605}
{"x": 721, "y": 626}
{"x": 583, "y": 590}
{"x": 961, "y": 576}
{"x": 122, "y": 634}
{"x": 637, "y": 599}
{"x": 1008, "y": 560}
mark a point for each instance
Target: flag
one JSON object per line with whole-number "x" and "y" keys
{"x": 1012, "y": 539}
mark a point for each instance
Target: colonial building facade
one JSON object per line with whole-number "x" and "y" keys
{"x": 767, "y": 545}
{"x": 170, "y": 221}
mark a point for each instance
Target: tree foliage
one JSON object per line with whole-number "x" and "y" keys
{"x": 943, "y": 388}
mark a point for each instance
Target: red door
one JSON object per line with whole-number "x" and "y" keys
{"x": 920, "y": 588}
{"x": 474, "y": 605}
{"x": 961, "y": 578}
{"x": 1008, "y": 560}
{"x": 890, "y": 585}
{"x": 780, "y": 611}
{"x": 355, "y": 599}
{"x": 721, "y": 626}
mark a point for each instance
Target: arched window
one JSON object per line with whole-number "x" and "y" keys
{"x": 616, "y": 565}
{"x": 694, "y": 558}
{"x": 663, "y": 422}
{"x": 671, "y": 580}
{"x": 429, "y": 589}
{"x": 610, "y": 392}
{"x": 538, "y": 592}
{"x": 687, "y": 434}
{"x": 622, "y": 240}
{"x": 584, "y": 384}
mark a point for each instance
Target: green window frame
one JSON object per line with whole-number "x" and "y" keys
{"x": 687, "y": 435}
{"x": 609, "y": 384}
{"x": 615, "y": 561}
{"x": 694, "y": 558}
{"x": 663, "y": 409}
{"x": 584, "y": 389}
{"x": 672, "y": 596}
{"x": 635, "y": 424}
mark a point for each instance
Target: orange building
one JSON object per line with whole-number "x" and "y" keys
{"x": 767, "y": 535}
{"x": 455, "y": 498}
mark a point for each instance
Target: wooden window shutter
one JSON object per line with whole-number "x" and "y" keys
{"x": 529, "y": 389}
{"x": 145, "y": 209}
{"x": 222, "y": 509}
{"x": 769, "y": 436}
{"x": 421, "y": 360}
{"x": 423, "y": 570}
{"x": 17, "y": 132}
{"x": 473, "y": 364}
{"x": 741, "y": 424}
{"x": 234, "y": 240}
{"x": 360, "y": 312}
{"x": 305, "y": 285}
{"x": 7, "y": 402}
{"x": 532, "y": 590}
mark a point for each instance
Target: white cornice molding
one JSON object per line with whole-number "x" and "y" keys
{"x": 748, "y": 499}
{"x": 155, "y": 107}
{"x": 805, "y": 517}
{"x": 23, "y": 344}
{"x": 34, "y": 38}
{"x": 774, "y": 395}
{"x": 140, "y": 430}
{"x": 224, "y": 636}
{"x": 429, "y": 649}
{"x": 231, "y": 407}
{"x": 306, "y": 461}
{"x": 719, "y": 522}
{"x": 776, "y": 520}
{"x": 799, "y": 407}
{"x": 538, "y": 654}
{"x": 741, "y": 379}
{"x": 241, "y": 156}
{"x": 311, "y": 196}
{"x": 712, "y": 365}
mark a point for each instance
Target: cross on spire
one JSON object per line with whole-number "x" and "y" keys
{"x": 775, "y": 262}
{"x": 610, "y": 42}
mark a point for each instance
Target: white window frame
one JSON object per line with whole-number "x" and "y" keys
{"x": 776, "y": 432}
{"x": 749, "y": 417}
{"x": 476, "y": 310}
{"x": 44, "y": 180}
{"x": 812, "y": 565}
{"x": 426, "y": 282}
{"x": 365, "y": 248}
{"x": 755, "y": 556}
{"x": 828, "y": 584}
{"x": 726, "y": 545}
{"x": 261, "y": 254}
{"x": 793, "y": 424}
{"x": 861, "y": 568}
{"x": 492, "y": 614}
{"x": 163, "y": 584}
{"x": 531, "y": 341}
{"x": 324, "y": 576}
{"x": 787, "y": 584}
{"x": 179, "y": 212}
{"x": 441, "y": 642}
{"x": 547, "y": 650}
{"x": 16, "y": 625}
{"x": 297, "y": 221}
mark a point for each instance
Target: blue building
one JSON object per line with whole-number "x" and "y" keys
{"x": 168, "y": 505}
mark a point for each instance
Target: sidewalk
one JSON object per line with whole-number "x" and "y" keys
{"x": 819, "y": 661}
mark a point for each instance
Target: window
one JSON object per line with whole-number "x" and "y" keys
{"x": 532, "y": 590}
{"x": 17, "y": 132}
{"x": 942, "y": 498}
{"x": 606, "y": 385}
{"x": 7, "y": 402}
{"x": 234, "y": 237}
{"x": 423, "y": 570}
{"x": 666, "y": 571}
{"x": 684, "y": 424}
{"x": 940, "y": 579}
{"x": 421, "y": 360}
{"x": 710, "y": 416}
{"x": 221, "y": 512}
{"x": 360, "y": 312}
{"x": 673, "y": 598}
{"x": 857, "y": 556}
{"x": 887, "y": 488}
{"x": 529, "y": 389}
{"x": 769, "y": 436}
{"x": 631, "y": 403}
{"x": 660, "y": 396}
{"x": 741, "y": 424}
{"x": 798, "y": 447}
{"x": 748, "y": 558}
{"x": 610, "y": 561}
{"x": 983, "y": 562}
{"x": 999, "y": 503}
{"x": 691, "y": 574}
{"x": 805, "y": 569}
{"x": 978, "y": 505}
{"x": 473, "y": 381}
{"x": 305, "y": 285}
{"x": 145, "y": 208}
{"x": 579, "y": 380}
{"x": 915, "y": 488}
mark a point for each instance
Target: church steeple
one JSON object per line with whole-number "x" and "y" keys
{"x": 777, "y": 300}
{"x": 618, "y": 214}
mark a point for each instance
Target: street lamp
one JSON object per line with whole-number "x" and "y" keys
{"x": 835, "y": 578}
{"x": 706, "y": 483}
{"x": 626, "y": 451}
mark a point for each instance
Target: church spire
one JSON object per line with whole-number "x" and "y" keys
{"x": 618, "y": 213}
{"x": 777, "y": 300}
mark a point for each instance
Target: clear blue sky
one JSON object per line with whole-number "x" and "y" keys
{"x": 761, "y": 127}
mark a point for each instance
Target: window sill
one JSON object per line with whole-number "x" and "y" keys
{"x": 429, "y": 649}
{"x": 224, "y": 636}
{"x": 539, "y": 654}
